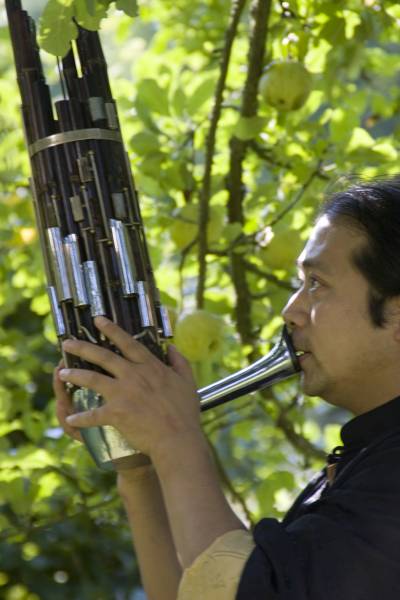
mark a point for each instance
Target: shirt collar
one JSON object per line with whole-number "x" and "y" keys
{"x": 365, "y": 428}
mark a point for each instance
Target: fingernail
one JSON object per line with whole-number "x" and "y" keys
{"x": 99, "y": 321}
{"x": 67, "y": 344}
{"x": 64, "y": 373}
{"x": 70, "y": 419}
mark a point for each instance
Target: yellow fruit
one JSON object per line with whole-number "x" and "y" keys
{"x": 184, "y": 228}
{"x": 27, "y": 234}
{"x": 282, "y": 249}
{"x": 286, "y": 85}
{"x": 199, "y": 335}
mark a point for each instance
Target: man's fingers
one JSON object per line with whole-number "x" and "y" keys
{"x": 89, "y": 379}
{"x": 97, "y": 355}
{"x": 90, "y": 418}
{"x": 130, "y": 348}
{"x": 107, "y": 359}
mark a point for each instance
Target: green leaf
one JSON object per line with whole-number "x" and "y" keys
{"x": 201, "y": 94}
{"x": 360, "y": 138}
{"x": 178, "y": 101}
{"x": 90, "y": 6}
{"x": 232, "y": 231}
{"x": 153, "y": 97}
{"x": 57, "y": 28}
{"x": 249, "y": 128}
{"x": 332, "y": 436}
{"x": 129, "y": 7}
{"x": 271, "y": 485}
{"x": 144, "y": 142}
{"x": 89, "y": 13}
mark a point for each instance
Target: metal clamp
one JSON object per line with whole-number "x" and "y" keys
{"x": 78, "y": 135}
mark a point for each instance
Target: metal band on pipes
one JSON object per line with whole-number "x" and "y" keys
{"x": 125, "y": 260}
{"x": 146, "y": 315}
{"x": 59, "y": 264}
{"x": 57, "y": 314}
{"x": 92, "y": 280}
{"x": 75, "y": 270}
{"x": 77, "y": 135}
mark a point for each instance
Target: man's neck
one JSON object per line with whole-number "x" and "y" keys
{"x": 364, "y": 399}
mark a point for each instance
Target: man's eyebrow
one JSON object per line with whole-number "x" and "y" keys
{"x": 313, "y": 263}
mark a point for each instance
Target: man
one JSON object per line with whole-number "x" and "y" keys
{"x": 341, "y": 538}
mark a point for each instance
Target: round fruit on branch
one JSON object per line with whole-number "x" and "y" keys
{"x": 285, "y": 85}
{"x": 278, "y": 247}
{"x": 199, "y": 335}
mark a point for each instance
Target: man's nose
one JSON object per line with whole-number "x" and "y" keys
{"x": 295, "y": 313}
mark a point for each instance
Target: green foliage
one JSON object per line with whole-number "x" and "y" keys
{"x": 61, "y": 527}
{"x": 58, "y": 29}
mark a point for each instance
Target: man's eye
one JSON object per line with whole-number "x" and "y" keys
{"x": 310, "y": 283}
{"x": 313, "y": 283}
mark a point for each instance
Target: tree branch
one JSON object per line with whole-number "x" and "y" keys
{"x": 260, "y": 10}
{"x": 236, "y": 11}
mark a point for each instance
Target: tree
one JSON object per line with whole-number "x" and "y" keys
{"x": 185, "y": 77}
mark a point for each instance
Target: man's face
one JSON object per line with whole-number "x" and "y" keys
{"x": 348, "y": 360}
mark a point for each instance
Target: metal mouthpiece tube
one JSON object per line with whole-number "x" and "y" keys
{"x": 279, "y": 364}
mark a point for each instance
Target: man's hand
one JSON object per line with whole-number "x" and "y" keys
{"x": 150, "y": 403}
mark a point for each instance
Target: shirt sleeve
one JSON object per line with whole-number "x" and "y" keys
{"x": 215, "y": 574}
{"x": 345, "y": 545}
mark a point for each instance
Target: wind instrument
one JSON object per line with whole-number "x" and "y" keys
{"x": 90, "y": 227}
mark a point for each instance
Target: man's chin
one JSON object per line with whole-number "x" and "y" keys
{"x": 309, "y": 387}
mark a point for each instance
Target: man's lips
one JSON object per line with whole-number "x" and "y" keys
{"x": 303, "y": 357}
{"x": 301, "y": 353}
{"x": 301, "y": 349}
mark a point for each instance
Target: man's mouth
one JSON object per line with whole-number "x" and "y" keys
{"x": 302, "y": 355}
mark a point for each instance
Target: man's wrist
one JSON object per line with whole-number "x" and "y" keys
{"x": 169, "y": 451}
{"x": 128, "y": 477}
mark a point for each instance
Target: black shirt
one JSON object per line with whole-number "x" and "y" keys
{"x": 341, "y": 539}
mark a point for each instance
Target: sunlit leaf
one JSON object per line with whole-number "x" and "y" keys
{"x": 128, "y": 6}
{"x": 57, "y": 28}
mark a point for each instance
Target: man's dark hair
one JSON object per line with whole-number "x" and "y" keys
{"x": 373, "y": 208}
